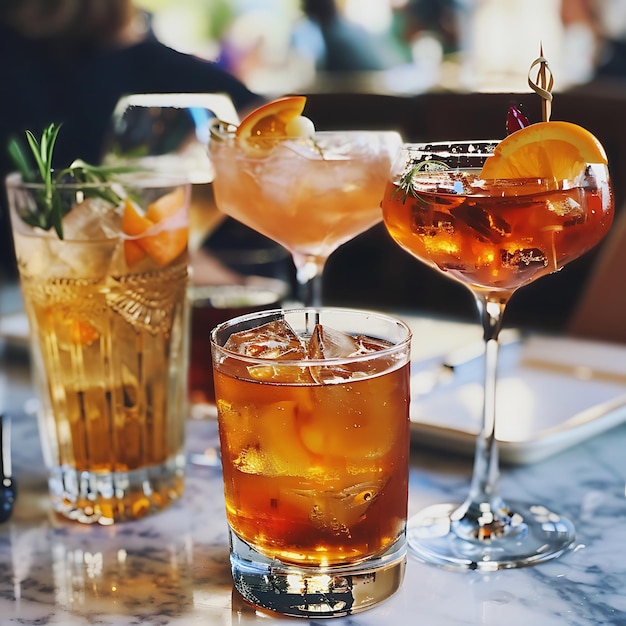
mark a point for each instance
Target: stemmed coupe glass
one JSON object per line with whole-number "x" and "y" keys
{"x": 493, "y": 236}
{"x": 310, "y": 195}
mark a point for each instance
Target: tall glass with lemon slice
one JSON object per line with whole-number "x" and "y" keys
{"x": 106, "y": 304}
{"x": 496, "y": 216}
{"x": 309, "y": 191}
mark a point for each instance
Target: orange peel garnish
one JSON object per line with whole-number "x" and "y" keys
{"x": 165, "y": 245}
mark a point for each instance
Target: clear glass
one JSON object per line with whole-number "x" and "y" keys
{"x": 309, "y": 196}
{"x": 106, "y": 309}
{"x": 169, "y": 132}
{"x": 315, "y": 456}
{"x": 494, "y": 237}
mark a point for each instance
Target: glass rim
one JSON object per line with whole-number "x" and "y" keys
{"x": 148, "y": 179}
{"x": 228, "y": 138}
{"x": 279, "y": 313}
{"x": 444, "y": 146}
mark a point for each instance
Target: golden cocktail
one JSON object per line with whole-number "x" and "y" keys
{"x": 314, "y": 431}
{"x": 106, "y": 306}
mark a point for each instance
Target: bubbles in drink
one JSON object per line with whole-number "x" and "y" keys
{"x": 527, "y": 258}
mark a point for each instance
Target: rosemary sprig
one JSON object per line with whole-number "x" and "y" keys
{"x": 50, "y": 208}
{"x": 405, "y": 184}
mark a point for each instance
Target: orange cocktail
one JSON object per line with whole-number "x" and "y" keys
{"x": 496, "y": 216}
{"x": 309, "y": 191}
{"x": 495, "y": 235}
{"x": 314, "y": 433}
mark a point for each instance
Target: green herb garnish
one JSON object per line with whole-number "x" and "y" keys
{"x": 49, "y": 206}
{"x": 405, "y": 184}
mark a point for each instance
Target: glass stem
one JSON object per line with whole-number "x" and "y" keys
{"x": 309, "y": 270}
{"x": 483, "y": 515}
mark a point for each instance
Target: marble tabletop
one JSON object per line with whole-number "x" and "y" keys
{"x": 172, "y": 568}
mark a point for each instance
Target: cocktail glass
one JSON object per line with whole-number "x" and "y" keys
{"x": 309, "y": 195}
{"x": 314, "y": 431}
{"x": 106, "y": 311}
{"x": 494, "y": 237}
{"x": 169, "y": 132}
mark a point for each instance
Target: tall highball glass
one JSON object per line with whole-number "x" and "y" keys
{"x": 106, "y": 306}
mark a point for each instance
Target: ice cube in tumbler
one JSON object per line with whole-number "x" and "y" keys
{"x": 328, "y": 343}
{"x": 275, "y": 340}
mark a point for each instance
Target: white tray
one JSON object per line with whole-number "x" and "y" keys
{"x": 553, "y": 392}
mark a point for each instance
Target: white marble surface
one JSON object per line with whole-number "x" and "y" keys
{"x": 172, "y": 569}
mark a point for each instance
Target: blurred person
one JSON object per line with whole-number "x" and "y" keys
{"x": 437, "y": 18}
{"x": 603, "y": 23}
{"x": 69, "y": 61}
{"x": 581, "y": 39}
{"x": 612, "y": 25}
{"x": 342, "y": 45}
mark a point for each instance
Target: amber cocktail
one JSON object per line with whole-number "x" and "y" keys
{"x": 106, "y": 306}
{"x": 314, "y": 430}
{"x": 496, "y": 216}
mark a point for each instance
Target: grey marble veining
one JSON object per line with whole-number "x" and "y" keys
{"x": 172, "y": 568}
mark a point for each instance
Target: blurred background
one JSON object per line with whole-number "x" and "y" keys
{"x": 391, "y": 46}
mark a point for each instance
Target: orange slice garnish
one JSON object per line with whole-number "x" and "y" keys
{"x": 259, "y": 130}
{"x": 162, "y": 247}
{"x": 547, "y": 150}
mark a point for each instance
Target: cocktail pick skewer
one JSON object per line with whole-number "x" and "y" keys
{"x": 543, "y": 84}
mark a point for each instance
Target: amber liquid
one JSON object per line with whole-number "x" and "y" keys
{"x": 109, "y": 361}
{"x": 315, "y": 473}
{"x": 502, "y": 238}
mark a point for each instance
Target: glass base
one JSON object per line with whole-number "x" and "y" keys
{"x": 108, "y": 498}
{"x": 304, "y": 591}
{"x": 536, "y": 535}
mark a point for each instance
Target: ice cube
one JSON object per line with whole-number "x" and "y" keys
{"x": 523, "y": 258}
{"x": 328, "y": 343}
{"x": 93, "y": 218}
{"x": 339, "y": 512}
{"x": 369, "y": 344}
{"x": 90, "y": 235}
{"x": 274, "y": 340}
{"x": 569, "y": 207}
{"x": 431, "y": 223}
{"x": 489, "y": 226}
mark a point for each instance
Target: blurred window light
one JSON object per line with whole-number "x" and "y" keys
{"x": 373, "y": 15}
